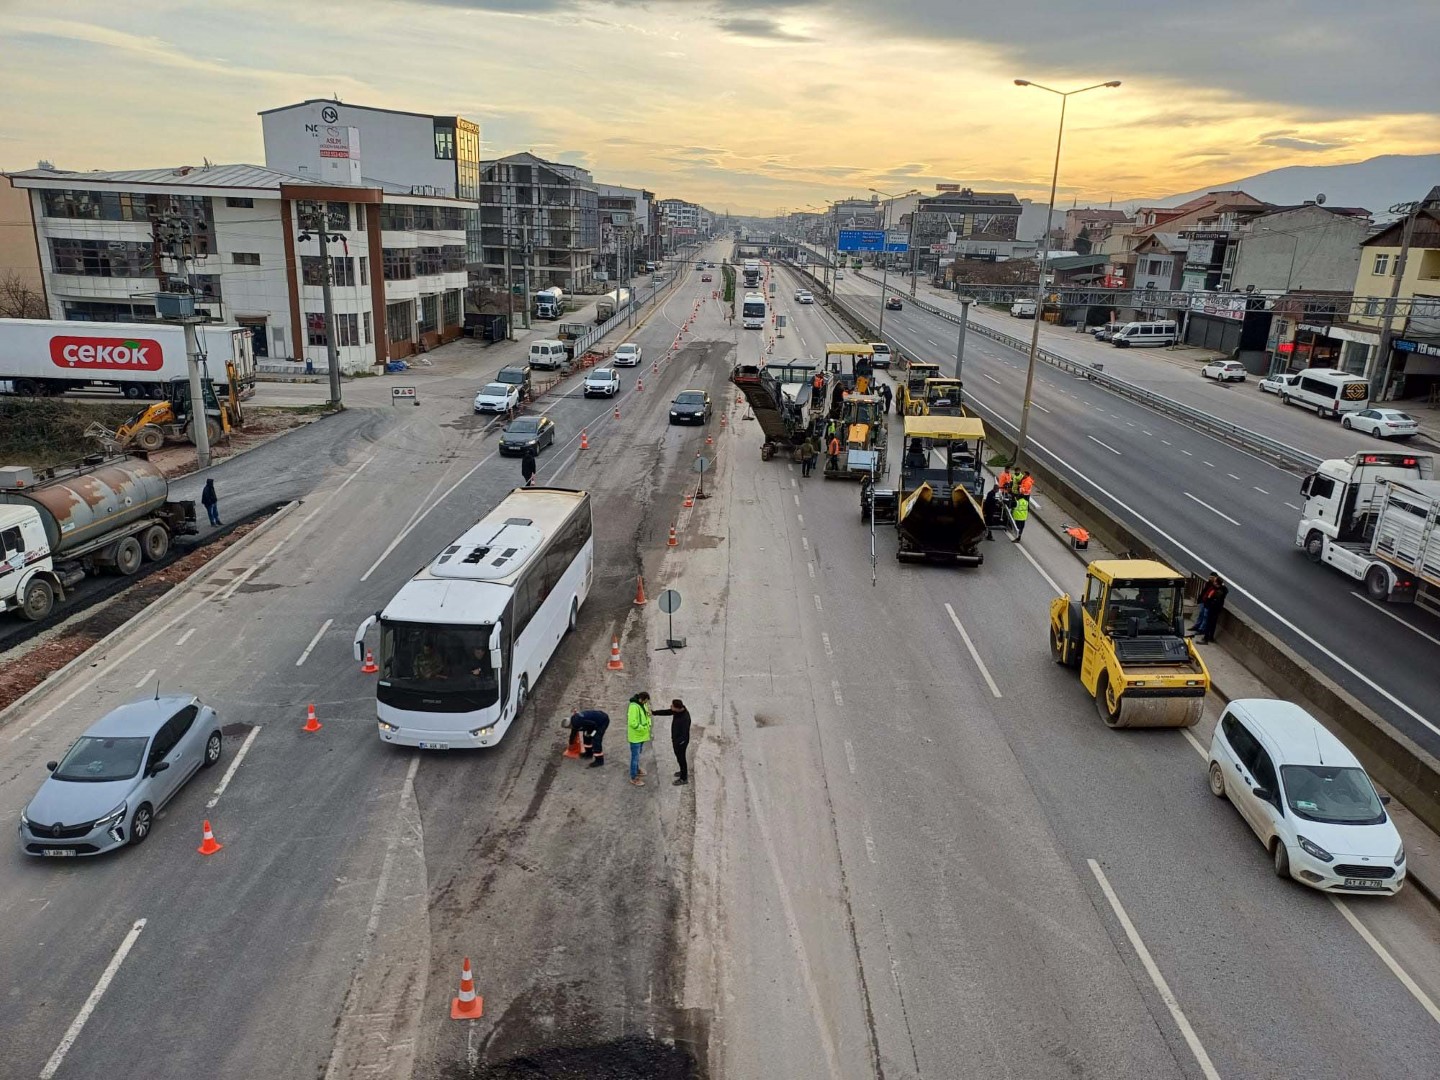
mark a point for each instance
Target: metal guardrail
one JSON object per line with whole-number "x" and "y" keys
{"x": 1196, "y": 418}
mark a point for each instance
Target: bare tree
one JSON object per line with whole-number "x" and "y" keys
{"x": 19, "y": 299}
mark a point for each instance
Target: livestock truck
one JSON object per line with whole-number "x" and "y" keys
{"x": 1375, "y": 517}
{"x": 105, "y": 514}
{"x": 41, "y": 357}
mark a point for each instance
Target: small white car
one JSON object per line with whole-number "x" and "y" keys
{"x": 1278, "y": 382}
{"x": 1382, "y": 423}
{"x": 626, "y": 355}
{"x": 799, "y": 293}
{"x": 806, "y": 297}
{"x": 1224, "y": 371}
{"x": 497, "y": 397}
{"x": 602, "y": 382}
{"x": 1306, "y": 797}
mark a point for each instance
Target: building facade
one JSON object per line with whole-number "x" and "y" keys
{"x": 1311, "y": 248}
{"x": 629, "y": 224}
{"x": 22, "y": 289}
{"x": 538, "y": 220}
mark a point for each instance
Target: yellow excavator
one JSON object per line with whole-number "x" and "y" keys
{"x": 170, "y": 419}
{"x": 1127, "y": 638}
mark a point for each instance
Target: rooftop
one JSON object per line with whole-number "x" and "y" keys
{"x": 196, "y": 176}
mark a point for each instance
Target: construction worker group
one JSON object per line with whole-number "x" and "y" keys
{"x": 1013, "y": 499}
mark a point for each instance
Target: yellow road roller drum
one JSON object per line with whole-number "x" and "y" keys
{"x": 1126, "y": 636}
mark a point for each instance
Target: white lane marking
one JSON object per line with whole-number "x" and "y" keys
{"x": 793, "y": 482}
{"x": 1097, "y": 442}
{"x": 1039, "y": 406}
{"x": 408, "y": 529}
{"x": 1041, "y": 571}
{"x": 817, "y": 603}
{"x": 869, "y": 843}
{"x": 825, "y": 640}
{"x": 973, "y": 654}
{"x": 1391, "y": 615}
{"x": 322, "y": 503}
{"x": 811, "y": 568}
{"x": 1261, "y": 490}
{"x": 234, "y": 764}
{"x": 835, "y": 689}
{"x": 313, "y": 642}
{"x": 1232, "y": 476}
{"x": 805, "y": 542}
{"x": 1292, "y": 506}
{"x": 1144, "y": 432}
{"x": 145, "y": 678}
{"x": 1131, "y": 423}
{"x": 796, "y": 498}
{"x": 1167, "y": 442}
{"x": 850, "y": 756}
{"x": 1187, "y": 453}
{"x": 1161, "y": 986}
{"x": 1212, "y": 509}
{"x": 932, "y": 342}
{"x": 992, "y": 378}
{"x": 1207, "y": 464}
{"x": 1400, "y": 973}
{"x": 185, "y": 637}
{"x": 800, "y": 518}
{"x": 78, "y": 1024}
{"x": 1195, "y": 743}
{"x": 1235, "y": 585}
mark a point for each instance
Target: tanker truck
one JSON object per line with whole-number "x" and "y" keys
{"x": 105, "y": 514}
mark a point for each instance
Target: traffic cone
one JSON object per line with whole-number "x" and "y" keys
{"x": 369, "y": 667}
{"x": 573, "y": 750}
{"x": 208, "y": 844}
{"x": 639, "y": 590}
{"x": 615, "y": 664}
{"x": 722, "y": 419}
{"x": 617, "y": 412}
{"x": 689, "y": 500}
{"x": 639, "y": 386}
{"x": 311, "y": 724}
{"x": 672, "y": 542}
{"x": 708, "y": 440}
{"x": 584, "y": 440}
{"x": 654, "y": 367}
{"x": 469, "y": 1005}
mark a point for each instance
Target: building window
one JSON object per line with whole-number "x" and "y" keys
{"x": 452, "y": 258}
{"x": 337, "y": 215}
{"x": 444, "y": 141}
{"x": 1382, "y": 264}
{"x": 400, "y": 321}
{"x": 364, "y": 270}
{"x": 399, "y": 264}
{"x": 359, "y": 217}
{"x": 396, "y": 218}
{"x": 428, "y": 260}
{"x": 315, "y": 329}
{"x": 347, "y": 329}
{"x": 365, "y": 320}
{"x": 1372, "y": 306}
{"x": 101, "y": 311}
{"x": 452, "y": 308}
{"x": 238, "y": 203}
{"x": 103, "y": 258}
{"x": 245, "y": 258}
{"x": 429, "y": 314}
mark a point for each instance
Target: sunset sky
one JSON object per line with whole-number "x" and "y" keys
{"x": 748, "y": 107}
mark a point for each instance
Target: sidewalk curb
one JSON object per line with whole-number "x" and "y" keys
{"x": 159, "y": 607}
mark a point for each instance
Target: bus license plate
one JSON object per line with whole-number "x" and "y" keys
{"x": 58, "y": 853}
{"x": 434, "y": 746}
{"x": 1363, "y": 883}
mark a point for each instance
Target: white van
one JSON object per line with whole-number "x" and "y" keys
{"x": 1328, "y": 392}
{"x": 548, "y": 355}
{"x": 1023, "y": 309}
{"x": 1164, "y": 332}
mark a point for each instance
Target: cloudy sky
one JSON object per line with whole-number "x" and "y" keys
{"x": 750, "y": 107}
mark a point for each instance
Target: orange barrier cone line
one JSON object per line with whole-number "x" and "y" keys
{"x": 208, "y": 844}
{"x": 615, "y": 664}
{"x": 469, "y": 1005}
{"x": 311, "y": 724}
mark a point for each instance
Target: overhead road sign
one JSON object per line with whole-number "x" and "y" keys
{"x": 861, "y": 240}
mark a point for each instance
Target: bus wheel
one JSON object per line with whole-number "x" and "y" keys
{"x": 574, "y": 614}
{"x": 522, "y": 695}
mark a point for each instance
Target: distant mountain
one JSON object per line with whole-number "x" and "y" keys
{"x": 1376, "y": 183}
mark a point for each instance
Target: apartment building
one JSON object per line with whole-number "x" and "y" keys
{"x": 629, "y": 220}
{"x": 253, "y": 256}
{"x": 538, "y": 219}
{"x": 21, "y": 280}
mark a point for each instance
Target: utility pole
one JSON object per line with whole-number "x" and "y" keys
{"x": 1411, "y": 210}
{"x": 177, "y": 240}
{"x": 332, "y": 350}
{"x": 910, "y": 243}
{"x": 960, "y": 345}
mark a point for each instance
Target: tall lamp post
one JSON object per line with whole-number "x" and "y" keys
{"x": 885, "y": 269}
{"x": 1064, "y": 96}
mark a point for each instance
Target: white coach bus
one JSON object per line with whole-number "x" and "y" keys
{"x": 752, "y": 311}
{"x": 463, "y": 642}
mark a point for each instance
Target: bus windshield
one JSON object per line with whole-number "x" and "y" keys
{"x": 436, "y": 660}
{"x": 754, "y": 309}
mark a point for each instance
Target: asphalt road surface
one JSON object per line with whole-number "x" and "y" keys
{"x": 1208, "y": 506}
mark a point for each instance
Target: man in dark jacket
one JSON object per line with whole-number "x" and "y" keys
{"x": 679, "y": 736}
{"x": 1212, "y": 602}
{"x": 211, "y": 502}
{"x": 591, "y": 724}
{"x": 527, "y": 466}
{"x": 886, "y": 393}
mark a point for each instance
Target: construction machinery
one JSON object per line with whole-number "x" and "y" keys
{"x": 861, "y": 364}
{"x": 942, "y": 398}
{"x": 910, "y": 394}
{"x": 935, "y": 509}
{"x": 170, "y": 420}
{"x": 1127, "y": 638}
{"x": 785, "y": 402}
{"x": 859, "y": 421}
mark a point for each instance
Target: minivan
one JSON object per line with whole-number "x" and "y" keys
{"x": 1163, "y": 332}
{"x": 1306, "y": 797}
{"x": 548, "y": 355}
{"x": 1328, "y": 392}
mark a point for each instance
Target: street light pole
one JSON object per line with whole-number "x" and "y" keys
{"x": 1064, "y": 96}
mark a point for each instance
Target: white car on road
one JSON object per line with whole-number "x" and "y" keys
{"x": 1023, "y": 309}
{"x": 602, "y": 382}
{"x": 626, "y": 355}
{"x": 1382, "y": 423}
{"x": 1224, "y": 371}
{"x": 806, "y": 297}
{"x": 1278, "y": 382}
{"x": 497, "y": 397}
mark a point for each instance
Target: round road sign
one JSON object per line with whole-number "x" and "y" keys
{"x": 669, "y": 601}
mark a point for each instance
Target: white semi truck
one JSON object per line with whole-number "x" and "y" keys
{"x": 101, "y": 515}
{"x": 1373, "y": 516}
{"x": 41, "y": 357}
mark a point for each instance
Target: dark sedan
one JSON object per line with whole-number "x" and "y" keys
{"x": 527, "y": 433}
{"x": 690, "y": 407}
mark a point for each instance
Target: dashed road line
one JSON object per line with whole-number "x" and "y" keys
{"x": 1292, "y": 506}
{"x": 1107, "y": 446}
{"x": 313, "y": 642}
{"x": 1426, "y": 1002}
{"x": 78, "y": 1024}
{"x": 1232, "y": 476}
{"x": 974, "y": 655}
{"x": 234, "y": 764}
{"x": 185, "y": 637}
{"x": 850, "y": 756}
{"x": 1207, "y": 506}
{"x": 1261, "y": 490}
{"x": 146, "y": 678}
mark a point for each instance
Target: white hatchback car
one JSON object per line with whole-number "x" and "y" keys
{"x": 1224, "y": 371}
{"x": 1279, "y": 382}
{"x": 1382, "y": 423}
{"x": 626, "y": 355}
{"x": 1306, "y": 797}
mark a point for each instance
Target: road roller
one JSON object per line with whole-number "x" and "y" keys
{"x": 1126, "y": 636}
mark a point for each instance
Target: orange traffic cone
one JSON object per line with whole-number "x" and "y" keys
{"x": 654, "y": 367}
{"x": 672, "y": 542}
{"x": 311, "y": 724}
{"x": 722, "y": 419}
{"x": 615, "y": 664}
{"x": 469, "y": 1005}
{"x": 689, "y": 500}
{"x": 369, "y": 667}
{"x": 617, "y": 412}
{"x": 639, "y": 590}
{"x": 573, "y": 750}
{"x": 708, "y": 440}
{"x": 639, "y": 386}
{"x": 208, "y": 844}
{"x": 584, "y": 440}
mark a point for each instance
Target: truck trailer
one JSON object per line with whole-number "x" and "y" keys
{"x": 1373, "y": 516}
{"x": 549, "y": 303}
{"x": 42, "y": 357}
{"x": 611, "y": 304}
{"x": 105, "y": 514}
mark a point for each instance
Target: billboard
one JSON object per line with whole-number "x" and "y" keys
{"x": 947, "y": 187}
{"x": 860, "y": 240}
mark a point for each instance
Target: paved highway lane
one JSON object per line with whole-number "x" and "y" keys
{"x": 971, "y": 786}
{"x": 1210, "y": 506}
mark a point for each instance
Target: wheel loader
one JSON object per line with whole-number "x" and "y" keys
{"x": 1127, "y": 638}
